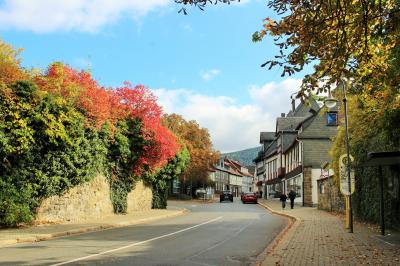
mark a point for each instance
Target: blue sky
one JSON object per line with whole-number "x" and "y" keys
{"x": 203, "y": 66}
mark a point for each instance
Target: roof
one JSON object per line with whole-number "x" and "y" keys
{"x": 228, "y": 170}
{"x": 288, "y": 123}
{"x": 259, "y": 157}
{"x": 271, "y": 149}
{"x": 267, "y": 136}
{"x": 301, "y": 110}
{"x": 313, "y": 104}
{"x": 288, "y": 140}
{"x": 234, "y": 167}
{"x": 316, "y": 127}
{"x": 305, "y": 108}
{"x": 252, "y": 169}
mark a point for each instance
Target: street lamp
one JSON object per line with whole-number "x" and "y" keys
{"x": 331, "y": 102}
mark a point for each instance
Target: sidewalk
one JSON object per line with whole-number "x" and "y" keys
{"x": 48, "y": 231}
{"x": 317, "y": 237}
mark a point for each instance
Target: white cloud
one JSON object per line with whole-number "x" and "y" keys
{"x": 274, "y": 97}
{"x": 209, "y": 74}
{"x": 232, "y": 126}
{"x": 81, "y": 15}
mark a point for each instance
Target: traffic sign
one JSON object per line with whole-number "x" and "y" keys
{"x": 343, "y": 176}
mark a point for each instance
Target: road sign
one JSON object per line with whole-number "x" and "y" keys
{"x": 344, "y": 181}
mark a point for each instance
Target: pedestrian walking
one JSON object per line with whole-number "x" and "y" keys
{"x": 283, "y": 199}
{"x": 292, "y": 196}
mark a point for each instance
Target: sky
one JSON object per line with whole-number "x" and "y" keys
{"x": 203, "y": 66}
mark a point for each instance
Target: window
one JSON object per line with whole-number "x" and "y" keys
{"x": 332, "y": 119}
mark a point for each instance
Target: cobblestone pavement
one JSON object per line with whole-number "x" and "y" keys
{"x": 319, "y": 238}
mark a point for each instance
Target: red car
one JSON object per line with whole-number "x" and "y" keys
{"x": 249, "y": 197}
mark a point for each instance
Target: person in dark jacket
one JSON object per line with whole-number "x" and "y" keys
{"x": 292, "y": 196}
{"x": 283, "y": 199}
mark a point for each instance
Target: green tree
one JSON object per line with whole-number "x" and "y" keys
{"x": 174, "y": 169}
{"x": 45, "y": 149}
{"x": 198, "y": 142}
{"x": 343, "y": 38}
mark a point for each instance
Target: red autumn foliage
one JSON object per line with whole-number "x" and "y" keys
{"x": 101, "y": 105}
{"x": 79, "y": 87}
{"x": 140, "y": 102}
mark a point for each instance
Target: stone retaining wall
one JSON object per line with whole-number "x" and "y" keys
{"x": 89, "y": 200}
{"x": 329, "y": 196}
{"x": 139, "y": 199}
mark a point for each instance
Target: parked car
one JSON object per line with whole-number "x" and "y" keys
{"x": 226, "y": 195}
{"x": 200, "y": 192}
{"x": 249, "y": 197}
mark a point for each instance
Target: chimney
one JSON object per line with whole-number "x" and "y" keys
{"x": 282, "y": 114}
{"x": 293, "y": 105}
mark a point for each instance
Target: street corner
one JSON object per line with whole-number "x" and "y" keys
{"x": 289, "y": 215}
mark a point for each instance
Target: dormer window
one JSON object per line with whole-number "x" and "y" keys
{"x": 332, "y": 119}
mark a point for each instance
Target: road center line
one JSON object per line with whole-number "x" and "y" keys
{"x": 138, "y": 243}
{"x": 222, "y": 242}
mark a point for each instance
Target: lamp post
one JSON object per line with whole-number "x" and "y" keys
{"x": 330, "y": 102}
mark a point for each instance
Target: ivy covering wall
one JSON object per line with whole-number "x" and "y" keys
{"x": 59, "y": 128}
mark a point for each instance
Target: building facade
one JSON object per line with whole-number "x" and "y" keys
{"x": 292, "y": 156}
{"x": 231, "y": 175}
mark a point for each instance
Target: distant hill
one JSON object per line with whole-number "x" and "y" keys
{"x": 246, "y": 156}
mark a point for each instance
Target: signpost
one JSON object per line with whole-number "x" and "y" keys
{"x": 343, "y": 175}
{"x": 344, "y": 183}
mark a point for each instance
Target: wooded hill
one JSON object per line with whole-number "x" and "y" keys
{"x": 246, "y": 156}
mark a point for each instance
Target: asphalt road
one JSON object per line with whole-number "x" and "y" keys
{"x": 210, "y": 234}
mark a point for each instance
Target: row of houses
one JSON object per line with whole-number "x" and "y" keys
{"x": 231, "y": 175}
{"x": 296, "y": 155}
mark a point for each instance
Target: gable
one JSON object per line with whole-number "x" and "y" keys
{"x": 316, "y": 127}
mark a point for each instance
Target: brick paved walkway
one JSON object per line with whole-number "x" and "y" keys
{"x": 319, "y": 238}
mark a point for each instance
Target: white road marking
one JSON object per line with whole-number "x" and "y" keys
{"x": 221, "y": 242}
{"x": 138, "y": 243}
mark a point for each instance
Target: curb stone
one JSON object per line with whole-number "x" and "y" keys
{"x": 43, "y": 237}
{"x": 293, "y": 223}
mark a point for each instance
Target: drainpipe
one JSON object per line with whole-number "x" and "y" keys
{"x": 293, "y": 105}
{"x": 283, "y": 184}
{"x": 302, "y": 170}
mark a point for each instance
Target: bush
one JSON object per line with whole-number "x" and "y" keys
{"x": 123, "y": 153}
{"x": 15, "y": 204}
{"x": 45, "y": 150}
{"x": 61, "y": 128}
{"x": 173, "y": 169}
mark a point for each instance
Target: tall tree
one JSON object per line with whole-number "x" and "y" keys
{"x": 341, "y": 38}
{"x": 198, "y": 142}
{"x": 10, "y": 69}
